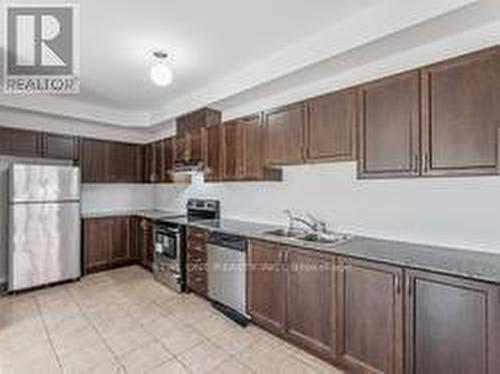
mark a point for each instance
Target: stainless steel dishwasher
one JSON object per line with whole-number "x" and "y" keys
{"x": 227, "y": 275}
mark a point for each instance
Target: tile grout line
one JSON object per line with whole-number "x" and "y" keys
{"x": 96, "y": 330}
{"x": 45, "y": 327}
{"x": 158, "y": 340}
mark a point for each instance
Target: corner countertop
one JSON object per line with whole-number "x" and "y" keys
{"x": 476, "y": 265}
{"x": 153, "y": 214}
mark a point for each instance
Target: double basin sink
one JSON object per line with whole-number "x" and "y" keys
{"x": 309, "y": 236}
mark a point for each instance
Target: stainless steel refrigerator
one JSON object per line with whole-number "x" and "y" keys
{"x": 44, "y": 225}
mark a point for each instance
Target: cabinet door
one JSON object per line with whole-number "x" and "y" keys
{"x": 181, "y": 152}
{"x": 168, "y": 159}
{"x": 21, "y": 143}
{"x": 60, "y": 147}
{"x": 370, "y": 325}
{"x": 213, "y": 154}
{"x": 452, "y": 325}
{"x": 120, "y": 240}
{"x": 94, "y": 161}
{"x": 97, "y": 243}
{"x": 266, "y": 285}
{"x": 196, "y": 261}
{"x": 331, "y": 127}
{"x": 155, "y": 154}
{"x": 232, "y": 151}
{"x": 310, "y": 294}
{"x": 123, "y": 163}
{"x": 146, "y": 243}
{"x": 135, "y": 227}
{"x": 389, "y": 127}
{"x": 252, "y": 154}
{"x": 195, "y": 144}
{"x": 284, "y": 135}
{"x": 461, "y": 115}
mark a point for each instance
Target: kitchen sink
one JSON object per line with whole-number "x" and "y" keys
{"x": 311, "y": 237}
{"x": 286, "y": 233}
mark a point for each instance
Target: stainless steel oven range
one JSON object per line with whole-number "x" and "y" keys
{"x": 169, "y": 237}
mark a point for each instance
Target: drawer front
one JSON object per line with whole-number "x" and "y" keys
{"x": 196, "y": 261}
{"x": 195, "y": 234}
{"x": 197, "y": 282}
{"x": 196, "y": 245}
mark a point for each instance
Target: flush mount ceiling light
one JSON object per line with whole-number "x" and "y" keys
{"x": 161, "y": 74}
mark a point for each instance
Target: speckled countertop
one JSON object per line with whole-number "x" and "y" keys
{"x": 153, "y": 214}
{"x": 468, "y": 264}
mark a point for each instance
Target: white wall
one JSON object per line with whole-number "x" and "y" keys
{"x": 457, "y": 212}
{"x": 11, "y": 117}
{"x": 117, "y": 197}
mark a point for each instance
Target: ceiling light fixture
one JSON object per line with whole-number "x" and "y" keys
{"x": 161, "y": 74}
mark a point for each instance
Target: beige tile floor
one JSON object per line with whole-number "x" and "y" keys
{"x": 122, "y": 321}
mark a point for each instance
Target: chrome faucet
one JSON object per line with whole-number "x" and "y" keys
{"x": 313, "y": 223}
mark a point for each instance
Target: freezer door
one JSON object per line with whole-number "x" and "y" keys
{"x": 43, "y": 183}
{"x": 44, "y": 244}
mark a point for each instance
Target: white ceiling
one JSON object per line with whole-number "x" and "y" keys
{"x": 219, "y": 49}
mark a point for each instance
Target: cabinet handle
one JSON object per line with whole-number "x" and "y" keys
{"x": 426, "y": 162}
{"x": 409, "y": 286}
{"x": 416, "y": 166}
{"x": 397, "y": 284}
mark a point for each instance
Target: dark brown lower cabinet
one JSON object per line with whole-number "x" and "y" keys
{"x": 453, "y": 325}
{"x": 266, "y": 285}
{"x": 96, "y": 244}
{"x": 107, "y": 243}
{"x": 370, "y": 317}
{"x": 292, "y": 292}
{"x": 196, "y": 261}
{"x": 310, "y": 298}
{"x": 120, "y": 240}
{"x": 146, "y": 242}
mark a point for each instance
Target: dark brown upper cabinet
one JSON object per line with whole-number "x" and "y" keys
{"x": 232, "y": 150}
{"x": 370, "y": 317}
{"x": 181, "y": 149}
{"x": 284, "y": 135}
{"x": 124, "y": 163}
{"x": 205, "y": 117}
{"x": 461, "y": 115}
{"x": 64, "y": 147}
{"x": 452, "y": 325}
{"x": 111, "y": 162}
{"x": 94, "y": 154}
{"x": 190, "y": 138}
{"x": 389, "y": 127}
{"x": 331, "y": 127}
{"x": 154, "y": 162}
{"x": 21, "y": 143}
{"x": 168, "y": 160}
{"x": 213, "y": 154}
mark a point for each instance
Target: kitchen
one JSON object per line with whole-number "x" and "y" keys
{"x": 312, "y": 213}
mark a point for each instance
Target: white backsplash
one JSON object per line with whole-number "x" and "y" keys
{"x": 462, "y": 213}
{"x": 117, "y": 197}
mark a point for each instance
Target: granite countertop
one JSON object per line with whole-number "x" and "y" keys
{"x": 153, "y": 214}
{"x": 468, "y": 264}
